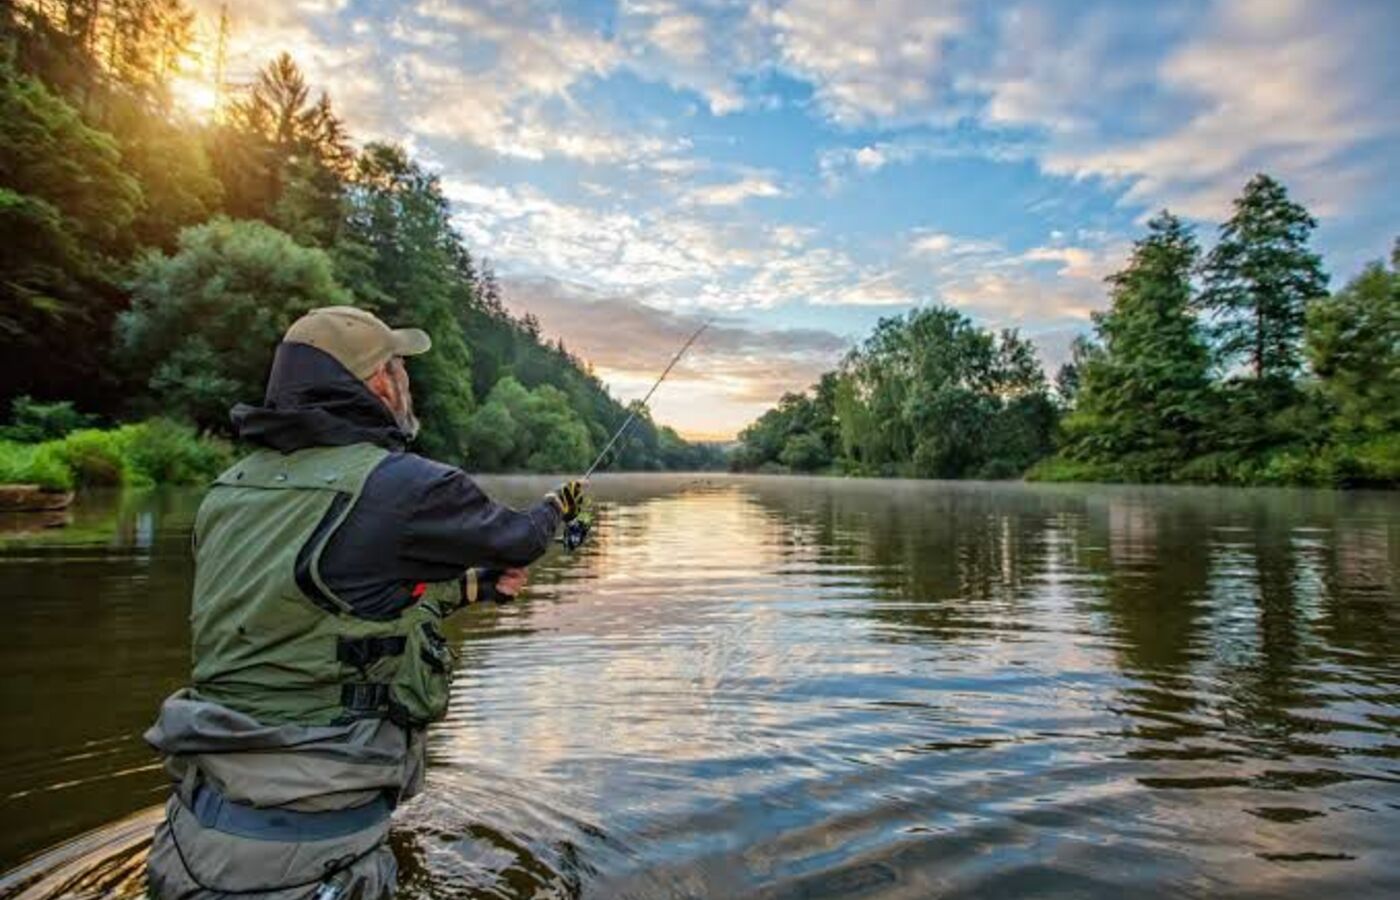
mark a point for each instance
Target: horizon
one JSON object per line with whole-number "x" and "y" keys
{"x": 803, "y": 169}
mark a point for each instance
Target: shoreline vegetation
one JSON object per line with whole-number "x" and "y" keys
{"x": 154, "y": 259}
{"x": 1230, "y": 367}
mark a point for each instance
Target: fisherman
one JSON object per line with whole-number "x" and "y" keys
{"x": 324, "y": 563}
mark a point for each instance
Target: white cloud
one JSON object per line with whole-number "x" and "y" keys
{"x": 941, "y": 244}
{"x": 869, "y": 62}
{"x": 1288, "y": 88}
{"x": 731, "y": 193}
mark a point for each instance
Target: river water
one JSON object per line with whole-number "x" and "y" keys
{"x": 755, "y": 687}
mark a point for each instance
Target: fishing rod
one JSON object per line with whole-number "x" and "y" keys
{"x": 576, "y": 532}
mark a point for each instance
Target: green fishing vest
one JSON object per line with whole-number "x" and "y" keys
{"x": 271, "y": 639}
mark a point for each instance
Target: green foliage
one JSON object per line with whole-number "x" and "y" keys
{"x": 111, "y": 203}
{"x": 520, "y": 429}
{"x": 32, "y": 422}
{"x": 1142, "y": 394}
{"x": 204, "y": 322}
{"x": 65, "y": 210}
{"x": 154, "y": 452}
{"x": 1259, "y": 280}
{"x": 399, "y": 227}
{"x": 1260, "y": 277}
{"x": 930, "y": 395}
{"x": 96, "y": 458}
{"x": 38, "y": 464}
{"x": 1353, "y": 343}
{"x": 164, "y": 452}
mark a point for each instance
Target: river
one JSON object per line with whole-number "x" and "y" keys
{"x": 804, "y": 688}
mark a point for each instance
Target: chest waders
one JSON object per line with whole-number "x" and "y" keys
{"x": 271, "y": 639}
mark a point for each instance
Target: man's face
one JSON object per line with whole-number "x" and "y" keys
{"x": 400, "y": 398}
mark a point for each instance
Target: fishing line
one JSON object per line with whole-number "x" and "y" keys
{"x": 576, "y": 532}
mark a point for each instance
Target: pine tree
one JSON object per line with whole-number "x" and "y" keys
{"x": 1144, "y": 393}
{"x": 1259, "y": 280}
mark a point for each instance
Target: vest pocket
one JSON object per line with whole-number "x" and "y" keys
{"x": 422, "y": 685}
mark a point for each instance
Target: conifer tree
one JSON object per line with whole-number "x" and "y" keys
{"x": 1144, "y": 394}
{"x": 1259, "y": 280}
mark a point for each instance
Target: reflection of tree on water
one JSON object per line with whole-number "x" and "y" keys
{"x": 949, "y": 561}
{"x": 99, "y": 631}
{"x": 1152, "y": 573}
{"x": 1359, "y": 616}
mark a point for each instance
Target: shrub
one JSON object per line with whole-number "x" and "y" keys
{"x": 32, "y": 422}
{"x": 160, "y": 451}
{"x": 155, "y": 452}
{"x": 1061, "y": 468}
{"x": 38, "y": 464}
{"x": 96, "y": 458}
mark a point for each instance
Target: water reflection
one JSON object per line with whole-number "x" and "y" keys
{"x": 808, "y": 688}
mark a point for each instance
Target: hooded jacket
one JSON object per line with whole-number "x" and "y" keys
{"x": 417, "y": 520}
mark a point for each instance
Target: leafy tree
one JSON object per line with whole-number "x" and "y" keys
{"x": 1144, "y": 397}
{"x": 400, "y": 229}
{"x": 805, "y": 452}
{"x": 1353, "y": 343}
{"x": 204, "y": 321}
{"x": 65, "y": 211}
{"x": 930, "y": 395}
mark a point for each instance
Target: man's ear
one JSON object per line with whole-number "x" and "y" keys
{"x": 380, "y": 384}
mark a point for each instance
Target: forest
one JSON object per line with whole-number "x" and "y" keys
{"x": 1232, "y": 366}
{"x": 151, "y": 260}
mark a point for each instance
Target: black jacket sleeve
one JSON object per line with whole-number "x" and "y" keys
{"x": 421, "y": 521}
{"x": 454, "y": 523}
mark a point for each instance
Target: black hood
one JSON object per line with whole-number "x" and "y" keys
{"x": 314, "y": 401}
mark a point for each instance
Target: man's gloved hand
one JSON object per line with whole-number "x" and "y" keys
{"x": 569, "y": 499}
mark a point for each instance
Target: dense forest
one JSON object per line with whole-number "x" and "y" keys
{"x": 1233, "y": 366}
{"x": 149, "y": 261}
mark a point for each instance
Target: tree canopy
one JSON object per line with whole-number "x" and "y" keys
{"x": 152, "y": 262}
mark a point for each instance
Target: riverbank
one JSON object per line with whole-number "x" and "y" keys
{"x": 154, "y": 452}
{"x": 1371, "y": 464}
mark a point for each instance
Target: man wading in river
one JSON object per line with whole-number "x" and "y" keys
{"x": 317, "y": 657}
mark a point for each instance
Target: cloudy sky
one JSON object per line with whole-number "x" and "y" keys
{"x": 801, "y": 168}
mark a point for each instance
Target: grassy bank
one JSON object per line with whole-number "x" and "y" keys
{"x": 155, "y": 452}
{"x": 1373, "y": 463}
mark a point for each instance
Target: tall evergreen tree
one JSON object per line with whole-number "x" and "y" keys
{"x": 1144, "y": 393}
{"x": 1259, "y": 280}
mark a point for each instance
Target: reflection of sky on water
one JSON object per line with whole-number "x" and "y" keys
{"x": 786, "y": 687}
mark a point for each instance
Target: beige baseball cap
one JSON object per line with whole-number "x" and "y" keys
{"x": 356, "y": 338}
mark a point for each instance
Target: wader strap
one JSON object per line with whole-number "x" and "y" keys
{"x": 214, "y": 810}
{"x": 360, "y": 653}
{"x": 364, "y": 697}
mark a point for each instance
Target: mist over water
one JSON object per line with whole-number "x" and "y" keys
{"x": 807, "y": 688}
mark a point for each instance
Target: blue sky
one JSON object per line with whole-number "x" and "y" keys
{"x": 801, "y": 168}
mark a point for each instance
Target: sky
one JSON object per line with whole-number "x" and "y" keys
{"x": 799, "y": 169}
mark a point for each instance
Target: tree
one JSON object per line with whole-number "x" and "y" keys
{"x": 1259, "y": 279}
{"x": 930, "y": 395}
{"x": 205, "y": 321}
{"x": 66, "y": 207}
{"x": 275, "y": 135}
{"x": 1353, "y": 343}
{"x": 1144, "y": 396}
{"x": 399, "y": 234}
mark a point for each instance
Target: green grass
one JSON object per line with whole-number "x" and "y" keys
{"x": 156, "y": 452}
{"x": 1060, "y": 468}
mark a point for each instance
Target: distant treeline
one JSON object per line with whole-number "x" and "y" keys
{"x": 1233, "y": 367}
{"x": 149, "y": 263}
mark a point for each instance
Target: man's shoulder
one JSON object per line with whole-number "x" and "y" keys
{"x": 403, "y": 474}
